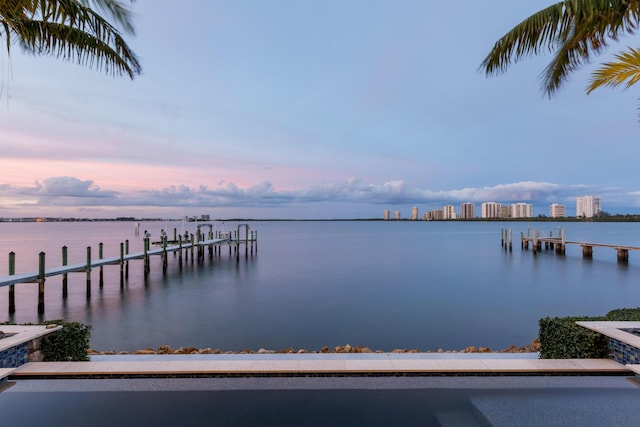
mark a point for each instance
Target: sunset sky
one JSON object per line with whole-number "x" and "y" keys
{"x": 300, "y": 109}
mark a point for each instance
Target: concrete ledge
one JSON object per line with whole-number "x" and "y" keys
{"x": 614, "y": 329}
{"x": 5, "y": 372}
{"x": 301, "y": 367}
{"x": 23, "y": 334}
{"x": 634, "y": 368}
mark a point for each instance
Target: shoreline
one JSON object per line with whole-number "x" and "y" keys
{"x": 532, "y": 347}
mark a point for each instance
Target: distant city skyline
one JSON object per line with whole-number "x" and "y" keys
{"x": 294, "y": 110}
{"x": 586, "y": 206}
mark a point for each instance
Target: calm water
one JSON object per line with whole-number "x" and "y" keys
{"x": 384, "y": 285}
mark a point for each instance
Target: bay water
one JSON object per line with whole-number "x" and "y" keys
{"x": 380, "y": 284}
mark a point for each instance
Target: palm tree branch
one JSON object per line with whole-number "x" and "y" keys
{"x": 73, "y": 31}
{"x": 110, "y": 51}
{"x": 528, "y": 37}
{"x": 626, "y": 68}
{"x": 574, "y": 29}
{"x": 122, "y": 16}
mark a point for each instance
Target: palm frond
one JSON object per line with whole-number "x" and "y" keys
{"x": 115, "y": 10}
{"x": 625, "y": 70}
{"x": 71, "y": 30}
{"x": 68, "y": 43}
{"x": 573, "y": 30}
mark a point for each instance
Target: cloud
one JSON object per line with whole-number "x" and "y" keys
{"x": 67, "y": 186}
{"x": 73, "y": 192}
{"x": 57, "y": 191}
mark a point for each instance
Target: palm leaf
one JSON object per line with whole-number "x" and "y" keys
{"x": 71, "y": 30}
{"x": 625, "y": 70}
{"x": 573, "y": 30}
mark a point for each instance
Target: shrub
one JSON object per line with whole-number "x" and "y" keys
{"x": 561, "y": 338}
{"x": 71, "y": 343}
{"x": 621, "y": 314}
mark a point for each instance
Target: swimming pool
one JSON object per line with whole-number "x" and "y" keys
{"x": 406, "y": 401}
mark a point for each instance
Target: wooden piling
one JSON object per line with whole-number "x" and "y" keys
{"x": 88, "y": 271}
{"x": 121, "y": 265}
{"x": 100, "y": 250}
{"x": 180, "y": 252}
{"x": 623, "y": 255}
{"x": 126, "y": 265}
{"x": 146, "y": 256}
{"x": 65, "y": 291}
{"x": 192, "y": 245}
{"x": 12, "y": 288}
{"x": 164, "y": 255}
{"x": 41, "y": 279}
{"x": 587, "y": 251}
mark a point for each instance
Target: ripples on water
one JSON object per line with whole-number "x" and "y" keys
{"x": 384, "y": 285}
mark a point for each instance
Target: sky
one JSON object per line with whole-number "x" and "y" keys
{"x": 311, "y": 110}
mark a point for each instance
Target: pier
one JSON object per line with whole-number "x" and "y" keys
{"x": 559, "y": 244}
{"x": 196, "y": 245}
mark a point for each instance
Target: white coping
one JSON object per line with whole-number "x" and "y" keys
{"x": 634, "y": 368}
{"x": 329, "y": 366}
{"x": 614, "y": 330}
{"x": 306, "y": 356}
{"x": 24, "y": 333}
{"x": 5, "y": 372}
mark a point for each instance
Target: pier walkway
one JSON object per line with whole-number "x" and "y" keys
{"x": 34, "y": 276}
{"x": 199, "y": 242}
{"x": 559, "y": 244}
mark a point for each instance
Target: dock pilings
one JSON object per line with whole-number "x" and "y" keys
{"x": 100, "y": 250}
{"x": 506, "y": 238}
{"x": 65, "y": 291}
{"x": 211, "y": 242}
{"x": 88, "y": 271}
{"x": 560, "y": 243}
{"x": 12, "y": 288}
{"x": 41, "y": 279}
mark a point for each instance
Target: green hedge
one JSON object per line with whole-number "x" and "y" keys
{"x": 71, "y": 343}
{"x": 561, "y": 338}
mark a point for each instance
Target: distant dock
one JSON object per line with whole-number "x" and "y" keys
{"x": 559, "y": 244}
{"x": 195, "y": 245}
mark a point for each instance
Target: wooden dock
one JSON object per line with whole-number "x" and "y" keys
{"x": 195, "y": 245}
{"x": 559, "y": 244}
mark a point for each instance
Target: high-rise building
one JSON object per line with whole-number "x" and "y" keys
{"x": 521, "y": 210}
{"x": 414, "y": 213}
{"x": 587, "y": 206}
{"x": 468, "y": 210}
{"x": 491, "y": 210}
{"x": 556, "y": 210}
{"x": 449, "y": 212}
{"x": 396, "y": 215}
{"x": 505, "y": 212}
{"x": 436, "y": 214}
{"x": 387, "y": 214}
